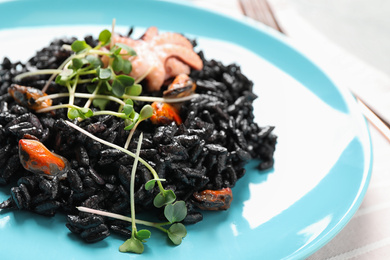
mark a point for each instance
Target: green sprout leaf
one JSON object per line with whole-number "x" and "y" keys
{"x": 134, "y": 90}
{"x": 94, "y": 80}
{"x": 125, "y": 80}
{"x": 175, "y": 212}
{"x": 129, "y": 51}
{"x": 100, "y": 103}
{"x": 118, "y": 89}
{"x": 83, "y": 113}
{"x": 120, "y": 83}
{"x": 94, "y": 61}
{"x": 146, "y": 112}
{"x": 104, "y": 37}
{"x": 176, "y": 233}
{"x": 79, "y": 46}
{"x": 60, "y": 81}
{"x": 163, "y": 198}
{"x": 132, "y": 245}
{"x": 128, "y": 109}
{"x": 143, "y": 234}
{"x": 127, "y": 67}
{"x": 77, "y": 63}
{"x": 129, "y": 102}
{"x": 131, "y": 121}
{"x": 104, "y": 74}
{"x": 73, "y": 113}
{"x": 116, "y": 51}
{"x": 117, "y": 64}
{"x": 151, "y": 183}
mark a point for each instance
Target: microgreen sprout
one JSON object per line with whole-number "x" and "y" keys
{"x": 164, "y": 197}
{"x": 106, "y": 82}
{"x": 134, "y": 244}
{"x": 175, "y": 212}
{"x": 176, "y": 231}
{"x": 145, "y": 113}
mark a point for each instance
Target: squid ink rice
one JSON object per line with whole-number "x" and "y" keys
{"x": 207, "y": 152}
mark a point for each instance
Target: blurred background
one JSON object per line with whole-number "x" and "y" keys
{"x": 348, "y": 39}
{"x": 360, "y": 27}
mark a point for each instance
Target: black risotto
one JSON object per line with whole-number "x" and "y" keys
{"x": 208, "y": 151}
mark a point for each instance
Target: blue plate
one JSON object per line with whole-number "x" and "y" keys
{"x": 322, "y": 163}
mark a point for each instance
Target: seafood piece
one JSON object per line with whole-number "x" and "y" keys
{"x": 184, "y": 54}
{"x": 27, "y": 96}
{"x": 150, "y": 33}
{"x": 174, "y": 67}
{"x": 181, "y": 86}
{"x": 160, "y": 56}
{"x": 171, "y": 38}
{"x": 36, "y": 158}
{"x": 148, "y": 65}
{"x": 214, "y": 199}
{"x": 164, "y": 113}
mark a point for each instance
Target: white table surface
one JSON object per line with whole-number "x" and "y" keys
{"x": 338, "y": 35}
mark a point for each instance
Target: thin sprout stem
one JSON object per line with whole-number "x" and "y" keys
{"x": 72, "y": 90}
{"x": 112, "y": 32}
{"x": 109, "y": 112}
{"x": 97, "y": 113}
{"x": 81, "y": 95}
{"x": 52, "y": 96}
{"x": 48, "y": 82}
{"x": 69, "y": 88}
{"x": 98, "y": 52}
{"x": 132, "y": 184}
{"x": 161, "y": 228}
{"x": 38, "y": 72}
{"x": 137, "y": 98}
{"x": 160, "y": 99}
{"x": 51, "y": 108}
{"x": 60, "y": 68}
{"x": 147, "y": 165}
{"x": 87, "y": 72}
{"x": 131, "y": 134}
{"x": 81, "y": 81}
{"x": 124, "y": 218}
{"x": 89, "y": 101}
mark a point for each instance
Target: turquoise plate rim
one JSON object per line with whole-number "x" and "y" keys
{"x": 275, "y": 48}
